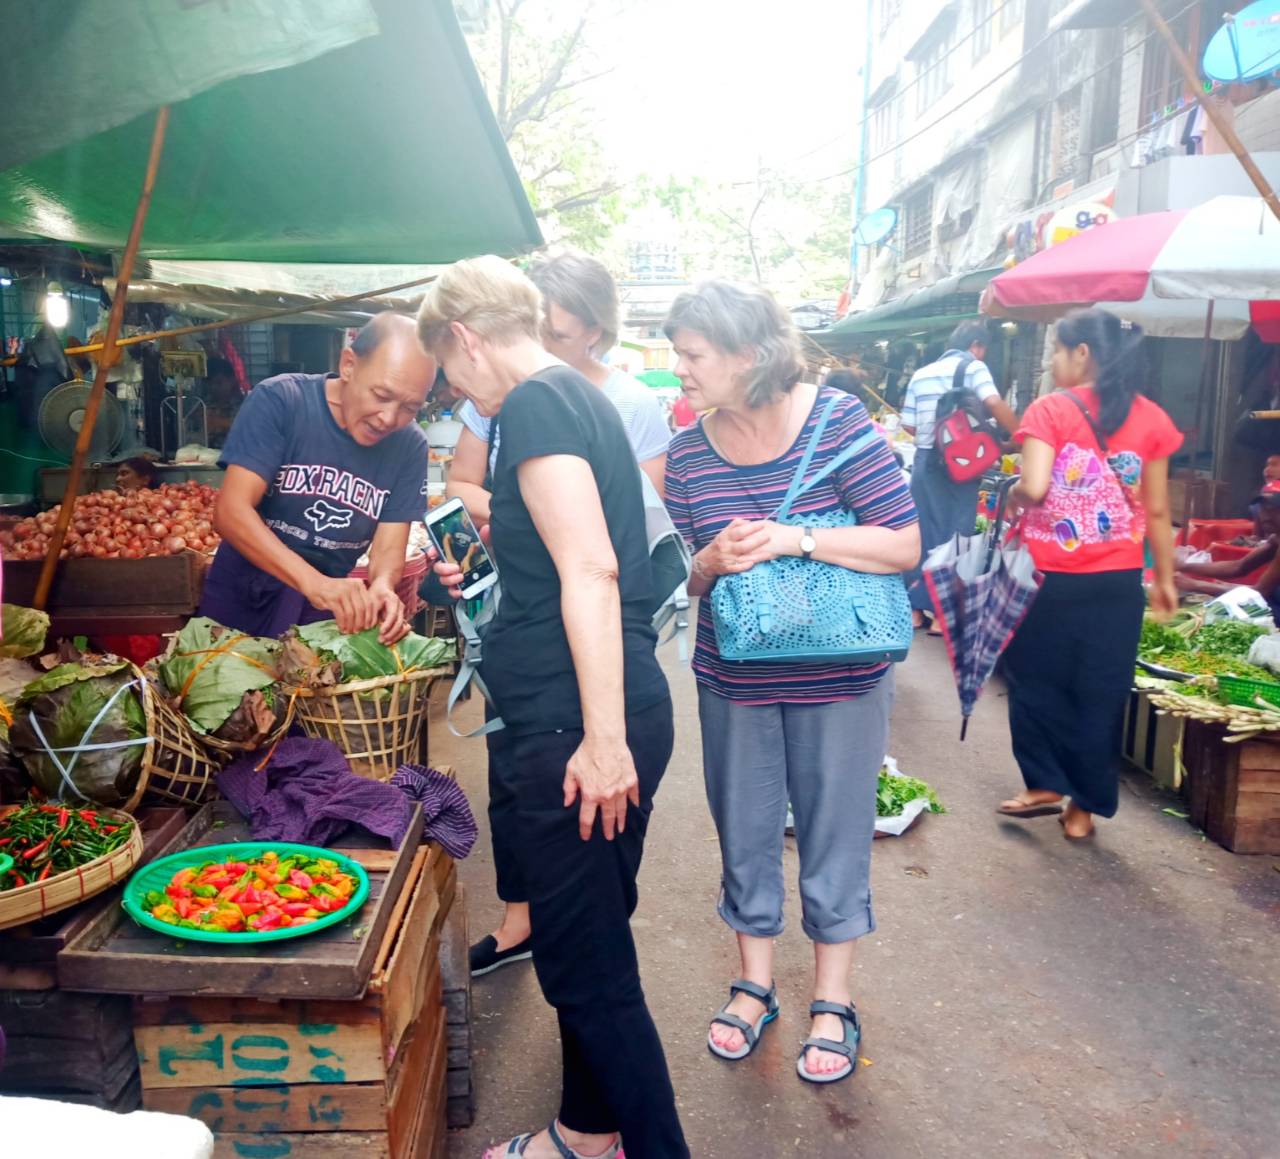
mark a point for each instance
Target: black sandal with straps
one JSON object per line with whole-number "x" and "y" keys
{"x": 750, "y": 1034}
{"x": 849, "y": 1047}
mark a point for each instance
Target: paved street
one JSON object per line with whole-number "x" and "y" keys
{"x": 1023, "y": 996}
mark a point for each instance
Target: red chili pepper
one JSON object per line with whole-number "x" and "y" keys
{"x": 18, "y": 877}
{"x": 5, "y": 841}
{"x": 110, "y": 828}
{"x": 45, "y": 871}
{"x": 63, "y": 816}
{"x": 36, "y": 850}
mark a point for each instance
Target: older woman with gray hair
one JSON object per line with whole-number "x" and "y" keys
{"x": 810, "y": 731}
{"x": 569, "y": 659}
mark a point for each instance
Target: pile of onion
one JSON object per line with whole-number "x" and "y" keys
{"x": 125, "y": 524}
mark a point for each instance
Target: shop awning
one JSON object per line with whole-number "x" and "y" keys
{"x": 1094, "y": 14}
{"x": 947, "y": 302}
{"x": 381, "y": 150}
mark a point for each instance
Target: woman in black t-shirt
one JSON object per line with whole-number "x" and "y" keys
{"x": 569, "y": 660}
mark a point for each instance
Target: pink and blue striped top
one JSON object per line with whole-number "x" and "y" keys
{"x": 706, "y": 492}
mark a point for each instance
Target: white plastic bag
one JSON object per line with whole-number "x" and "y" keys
{"x": 1242, "y": 603}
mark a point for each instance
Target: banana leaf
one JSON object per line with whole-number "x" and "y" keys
{"x": 209, "y": 671}
{"x": 22, "y": 631}
{"x": 68, "y": 704}
{"x": 364, "y": 657}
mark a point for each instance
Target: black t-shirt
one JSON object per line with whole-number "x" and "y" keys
{"x": 527, "y": 663}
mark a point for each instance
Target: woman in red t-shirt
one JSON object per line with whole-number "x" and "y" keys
{"x": 1094, "y": 486}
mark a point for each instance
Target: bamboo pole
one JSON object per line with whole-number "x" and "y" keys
{"x": 110, "y": 354}
{"x": 1219, "y": 121}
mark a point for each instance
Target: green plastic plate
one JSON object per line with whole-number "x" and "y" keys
{"x": 159, "y": 873}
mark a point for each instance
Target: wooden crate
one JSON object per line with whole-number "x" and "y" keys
{"x": 309, "y": 1079}
{"x": 60, "y": 1044}
{"x": 1234, "y": 789}
{"x": 455, "y": 976}
{"x": 115, "y": 956}
{"x": 98, "y": 597}
{"x": 1150, "y": 740}
{"x": 28, "y": 953}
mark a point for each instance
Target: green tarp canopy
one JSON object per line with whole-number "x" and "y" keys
{"x": 942, "y": 305}
{"x": 356, "y": 131}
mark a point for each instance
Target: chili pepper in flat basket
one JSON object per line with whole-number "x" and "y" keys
{"x": 36, "y": 850}
{"x": 48, "y": 868}
{"x": 64, "y": 815}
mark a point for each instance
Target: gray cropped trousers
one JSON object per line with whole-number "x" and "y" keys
{"x": 825, "y": 759}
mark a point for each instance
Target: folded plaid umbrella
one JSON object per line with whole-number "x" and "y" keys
{"x": 981, "y": 590}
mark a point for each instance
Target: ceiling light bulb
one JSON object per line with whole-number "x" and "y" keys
{"x": 57, "y": 310}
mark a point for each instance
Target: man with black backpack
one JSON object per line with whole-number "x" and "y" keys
{"x": 951, "y": 408}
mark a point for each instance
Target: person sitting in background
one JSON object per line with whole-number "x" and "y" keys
{"x": 1212, "y": 579}
{"x": 1270, "y": 474}
{"x": 136, "y": 474}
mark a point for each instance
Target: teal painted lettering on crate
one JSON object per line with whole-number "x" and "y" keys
{"x": 314, "y": 1029}
{"x": 260, "y": 1042}
{"x": 267, "y": 1149}
{"x": 211, "y": 1050}
{"x": 207, "y": 1100}
{"x": 322, "y": 1052}
{"x": 255, "y": 1100}
{"x": 319, "y": 1113}
{"x": 328, "y": 1074}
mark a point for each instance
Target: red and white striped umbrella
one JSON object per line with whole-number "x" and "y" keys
{"x": 1226, "y": 251}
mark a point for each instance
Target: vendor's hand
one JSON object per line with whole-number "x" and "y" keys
{"x": 738, "y": 548}
{"x": 603, "y": 774}
{"x": 352, "y": 604}
{"x": 1163, "y": 598}
{"x": 392, "y": 624}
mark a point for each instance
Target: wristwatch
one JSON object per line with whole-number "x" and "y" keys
{"x": 808, "y": 545}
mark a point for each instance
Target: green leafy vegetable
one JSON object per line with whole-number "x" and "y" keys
{"x": 212, "y": 671}
{"x": 364, "y": 657}
{"x": 22, "y": 631}
{"x": 894, "y": 791}
{"x": 1227, "y": 638}
{"x": 66, "y": 703}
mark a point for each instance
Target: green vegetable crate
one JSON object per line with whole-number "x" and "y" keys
{"x": 1237, "y": 690}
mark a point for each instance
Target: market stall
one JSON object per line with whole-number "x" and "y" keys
{"x": 326, "y": 966}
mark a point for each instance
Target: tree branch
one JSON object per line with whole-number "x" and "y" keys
{"x": 579, "y": 200}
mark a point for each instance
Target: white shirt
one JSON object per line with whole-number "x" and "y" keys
{"x": 638, "y": 406}
{"x": 930, "y": 383}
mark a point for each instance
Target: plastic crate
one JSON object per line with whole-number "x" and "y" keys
{"x": 1237, "y": 690}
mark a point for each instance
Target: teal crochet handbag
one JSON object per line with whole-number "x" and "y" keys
{"x": 793, "y": 609}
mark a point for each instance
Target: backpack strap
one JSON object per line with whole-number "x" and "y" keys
{"x": 958, "y": 379}
{"x": 469, "y": 669}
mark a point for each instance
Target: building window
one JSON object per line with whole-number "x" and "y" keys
{"x": 933, "y": 76}
{"x": 917, "y": 222}
{"x": 981, "y": 28}
{"x": 1162, "y": 80}
{"x": 1066, "y": 131}
{"x": 886, "y": 125}
{"x": 890, "y": 10}
{"x": 1012, "y": 15}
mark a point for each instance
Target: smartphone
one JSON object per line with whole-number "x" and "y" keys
{"x": 458, "y": 541}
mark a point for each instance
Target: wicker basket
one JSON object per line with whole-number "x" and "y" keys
{"x": 223, "y": 751}
{"x": 27, "y": 903}
{"x": 378, "y": 733}
{"x": 176, "y": 766}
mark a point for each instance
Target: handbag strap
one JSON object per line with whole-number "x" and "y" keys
{"x": 854, "y": 448}
{"x": 794, "y": 491}
{"x": 1093, "y": 424}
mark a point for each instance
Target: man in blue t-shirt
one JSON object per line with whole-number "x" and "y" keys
{"x": 321, "y": 468}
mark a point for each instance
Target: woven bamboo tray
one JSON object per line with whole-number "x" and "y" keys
{"x": 41, "y": 898}
{"x": 378, "y": 733}
{"x": 176, "y": 767}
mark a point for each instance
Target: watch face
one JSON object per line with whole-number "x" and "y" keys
{"x": 807, "y": 543}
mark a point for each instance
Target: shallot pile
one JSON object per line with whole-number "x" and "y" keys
{"x": 126, "y": 524}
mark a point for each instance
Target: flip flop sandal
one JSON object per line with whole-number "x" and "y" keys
{"x": 849, "y": 1047}
{"x": 749, "y": 1032}
{"x": 517, "y": 1147}
{"x": 1039, "y": 809}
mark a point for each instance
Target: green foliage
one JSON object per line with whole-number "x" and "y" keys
{"x": 218, "y": 679}
{"x": 893, "y": 791}
{"x": 22, "y": 631}
{"x": 364, "y": 657}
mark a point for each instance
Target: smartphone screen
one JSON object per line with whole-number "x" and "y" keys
{"x": 457, "y": 540}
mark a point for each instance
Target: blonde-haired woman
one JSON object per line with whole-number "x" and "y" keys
{"x": 570, "y": 661}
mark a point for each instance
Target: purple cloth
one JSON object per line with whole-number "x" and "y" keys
{"x": 308, "y": 794}
{"x": 446, "y": 813}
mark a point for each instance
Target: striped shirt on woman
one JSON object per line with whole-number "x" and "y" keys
{"x": 705, "y": 494}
